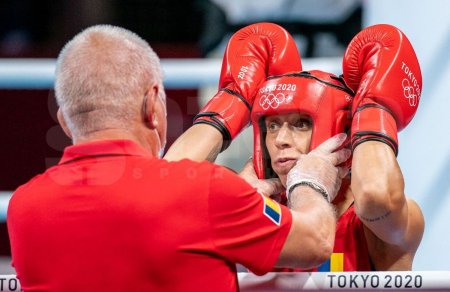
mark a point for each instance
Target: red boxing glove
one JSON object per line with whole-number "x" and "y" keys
{"x": 380, "y": 65}
{"x": 253, "y": 53}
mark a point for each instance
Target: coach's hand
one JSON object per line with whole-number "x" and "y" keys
{"x": 381, "y": 66}
{"x": 253, "y": 53}
{"x": 319, "y": 168}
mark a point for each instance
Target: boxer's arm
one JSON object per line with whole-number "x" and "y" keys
{"x": 200, "y": 142}
{"x": 380, "y": 200}
{"x": 384, "y": 103}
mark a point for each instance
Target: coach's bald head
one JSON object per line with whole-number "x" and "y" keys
{"x": 109, "y": 83}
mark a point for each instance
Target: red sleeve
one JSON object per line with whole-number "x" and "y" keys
{"x": 246, "y": 227}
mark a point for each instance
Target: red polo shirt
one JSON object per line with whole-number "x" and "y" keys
{"x": 110, "y": 217}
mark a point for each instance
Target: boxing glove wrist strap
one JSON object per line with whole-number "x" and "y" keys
{"x": 373, "y": 122}
{"x": 228, "y": 112}
{"x": 210, "y": 119}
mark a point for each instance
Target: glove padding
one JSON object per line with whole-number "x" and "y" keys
{"x": 380, "y": 65}
{"x": 318, "y": 169}
{"x": 253, "y": 53}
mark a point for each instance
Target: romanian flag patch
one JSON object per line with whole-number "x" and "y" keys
{"x": 272, "y": 210}
{"x": 333, "y": 264}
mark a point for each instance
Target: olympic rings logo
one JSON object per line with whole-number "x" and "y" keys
{"x": 408, "y": 92}
{"x": 273, "y": 100}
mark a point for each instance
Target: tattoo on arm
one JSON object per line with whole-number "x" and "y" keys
{"x": 384, "y": 216}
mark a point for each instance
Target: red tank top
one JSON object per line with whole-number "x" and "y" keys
{"x": 350, "y": 251}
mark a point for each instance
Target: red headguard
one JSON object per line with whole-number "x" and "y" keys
{"x": 323, "y": 96}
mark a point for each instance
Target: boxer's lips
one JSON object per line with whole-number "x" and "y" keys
{"x": 285, "y": 163}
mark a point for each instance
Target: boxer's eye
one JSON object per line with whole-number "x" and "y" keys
{"x": 302, "y": 124}
{"x": 273, "y": 126}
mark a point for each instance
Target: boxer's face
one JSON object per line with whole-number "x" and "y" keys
{"x": 288, "y": 136}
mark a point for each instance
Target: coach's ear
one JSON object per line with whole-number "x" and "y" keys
{"x": 62, "y": 123}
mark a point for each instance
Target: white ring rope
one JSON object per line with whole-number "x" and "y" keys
{"x": 4, "y": 200}
{"x": 342, "y": 281}
{"x": 178, "y": 73}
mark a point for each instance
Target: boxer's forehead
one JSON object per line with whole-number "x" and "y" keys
{"x": 289, "y": 117}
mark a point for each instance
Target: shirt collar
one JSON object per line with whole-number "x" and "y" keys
{"x": 103, "y": 148}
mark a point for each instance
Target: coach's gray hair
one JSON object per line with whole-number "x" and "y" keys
{"x": 101, "y": 75}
